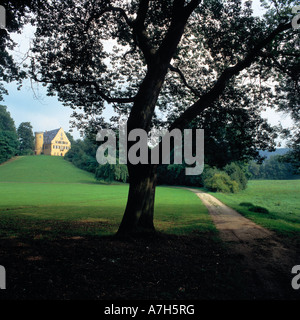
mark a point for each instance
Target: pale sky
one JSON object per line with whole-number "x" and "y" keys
{"x": 47, "y": 113}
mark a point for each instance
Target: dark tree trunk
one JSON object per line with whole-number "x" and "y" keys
{"x": 139, "y": 212}
{"x": 138, "y": 215}
{"x": 147, "y": 215}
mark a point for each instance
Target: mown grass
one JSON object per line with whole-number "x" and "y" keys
{"x": 38, "y": 192}
{"x": 44, "y": 169}
{"x": 280, "y": 198}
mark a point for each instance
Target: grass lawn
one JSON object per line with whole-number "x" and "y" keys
{"x": 38, "y": 192}
{"x": 280, "y": 197}
{"x": 43, "y": 169}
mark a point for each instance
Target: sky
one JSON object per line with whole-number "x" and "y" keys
{"x": 31, "y": 104}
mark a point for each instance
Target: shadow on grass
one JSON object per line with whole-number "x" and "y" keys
{"x": 157, "y": 266}
{"x": 254, "y": 208}
{"x": 53, "y": 261}
{"x": 101, "y": 182}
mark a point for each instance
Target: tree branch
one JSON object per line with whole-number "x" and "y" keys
{"x": 139, "y": 30}
{"x": 180, "y": 15}
{"x": 81, "y": 83}
{"x": 277, "y": 64}
{"x": 191, "y": 6}
{"x": 142, "y": 13}
{"x": 289, "y": 54}
{"x": 99, "y": 14}
{"x": 109, "y": 99}
{"x": 177, "y": 70}
{"x": 123, "y": 14}
{"x": 213, "y": 94}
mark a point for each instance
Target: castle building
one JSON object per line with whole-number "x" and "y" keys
{"x": 52, "y": 143}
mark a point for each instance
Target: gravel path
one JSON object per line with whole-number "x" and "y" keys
{"x": 231, "y": 225}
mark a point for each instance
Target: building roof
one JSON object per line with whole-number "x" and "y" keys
{"x": 50, "y": 135}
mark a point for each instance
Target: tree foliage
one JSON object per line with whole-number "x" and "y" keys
{"x": 293, "y": 157}
{"x": 230, "y": 179}
{"x": 236, "y": 173}
{"x": 221, "y": 182}
{"x": 83, "y": 154}
{"x": 26, "y": 138}
{"x": 9, "y": 143}
{"x": 112, "y": 172}
{"x": 17, "y": 14}
{"x": 273, "y": 168}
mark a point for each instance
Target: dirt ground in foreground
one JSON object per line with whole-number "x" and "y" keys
{"x": 157, "y": 267}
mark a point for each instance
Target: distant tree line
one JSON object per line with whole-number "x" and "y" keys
{"x": 9, "y": 143}
{"x": 231, "y": 177}
{"x": 274, "y": 168}
{"x": 83, "y": 156}
{"x": 14, "y": 141}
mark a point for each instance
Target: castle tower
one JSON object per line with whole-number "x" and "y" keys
{"x": 39, "y": 142}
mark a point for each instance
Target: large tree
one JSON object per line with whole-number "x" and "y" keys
{"x": 26, "y": 138}
{"x": 173, "y": 63}
{"x": 9, "y": 143}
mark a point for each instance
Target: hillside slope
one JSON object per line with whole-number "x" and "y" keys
{"x": 43, "y": 169}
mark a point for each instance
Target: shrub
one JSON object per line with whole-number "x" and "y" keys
{"x": 27, "y": 152}
{"x": 112, "y": 172}
{"x": 236, "y": 173}
{"x": 209, "y": 172}
{"x": 221, "y": 182}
